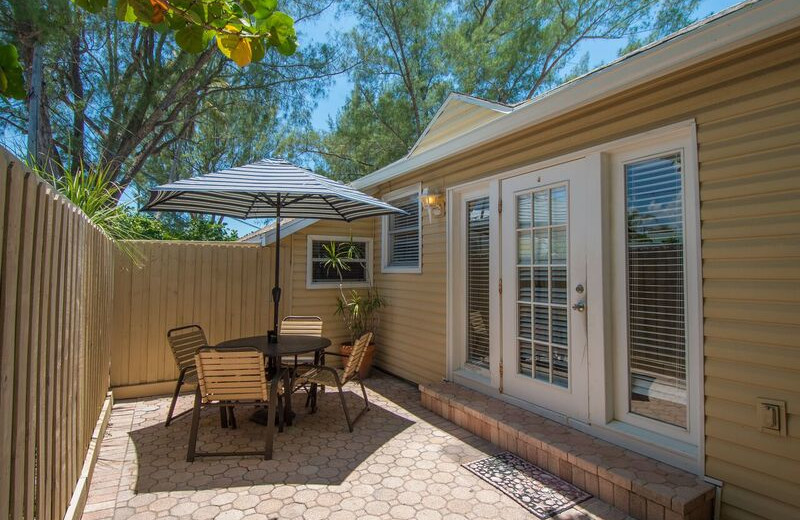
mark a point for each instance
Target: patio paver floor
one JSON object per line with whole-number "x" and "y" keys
{"x": 402, "y": 461}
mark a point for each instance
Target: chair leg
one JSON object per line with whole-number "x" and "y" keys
{"x": 175, "y": 397}
{"x": 195, "y": 426}
{"x": 231, "y": 417}
{"x": 273, "y": 404}
{"x": 364, "y": 391}
{"x": 281, "y": 411}
{"x": 344, "y": 407}
{"x": 223, "y": 416}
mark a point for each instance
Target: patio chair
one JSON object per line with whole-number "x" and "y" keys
{"x": 184, "y": 342}
{"x": 229, "y": 377}
{"x": 330, "y": 376}
{"x": 302, "y": 326}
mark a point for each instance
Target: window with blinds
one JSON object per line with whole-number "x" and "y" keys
{"x": 477, "y": 263}
{"x": 656, "y": 296}
{"x": 321, "y": 274}
{"x": 402, "y": 234}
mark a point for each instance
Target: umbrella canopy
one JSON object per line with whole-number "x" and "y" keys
{"x": 253, "y": 191}
{"x": 270, "y": 188}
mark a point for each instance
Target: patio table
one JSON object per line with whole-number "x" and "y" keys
{"x": 287, "y": 345}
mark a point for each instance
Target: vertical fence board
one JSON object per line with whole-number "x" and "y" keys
{"x": 56, "y": 287}
{"x": 8, "y": 311}
{"x": 220, "y": 286}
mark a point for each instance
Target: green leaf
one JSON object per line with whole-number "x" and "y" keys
{"x": 12, "y": 84}
{"x": 282, "y": 35}
{"x": 142, "y": 11}
{"x": 124, "y": 12}
{"x": 262, "y": 9}
{"x": 191, "y": 39}
{"x": 93, "y": 6}
{"x": 9, "y": 57}
{"x": 257, "y": 47}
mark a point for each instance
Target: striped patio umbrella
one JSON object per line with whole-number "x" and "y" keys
{"x": 270, "y": 188}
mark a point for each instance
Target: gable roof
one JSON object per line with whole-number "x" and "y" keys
{"x": 458, "y": 115}
{"x": 739, "y": 25}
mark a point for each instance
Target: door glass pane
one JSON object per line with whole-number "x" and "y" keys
{"x": 542, "y": 253}
{"x": 524, "y": 247}
{"x": 525, "y": 357}
{"x": 558, "y": 205}
{"x": 541, "y": 208}
{"x": 478, "y": 282}
{"x": 656, "y": 304}
{"x": 540, "y": 282}
{"x": 524, "y": 211}
{"x": 524, "y": 284}
{"x": 541, "y": 246}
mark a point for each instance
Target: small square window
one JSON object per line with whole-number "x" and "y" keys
{"x": 358, "y": 259}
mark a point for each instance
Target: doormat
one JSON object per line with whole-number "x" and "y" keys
{"x": 538, "y": 491}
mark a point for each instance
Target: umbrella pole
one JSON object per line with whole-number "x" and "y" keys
{"x": 276, "y": 289}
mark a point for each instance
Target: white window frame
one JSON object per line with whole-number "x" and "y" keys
{"x": 414, "y": 189}
{"x": 669, "y": 436}
{"x": 311, "y": 284}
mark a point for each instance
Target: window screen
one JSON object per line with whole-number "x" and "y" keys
{"x": 358, "y": 272}
{"x": 403, "y": 233}
{"x": 478, "y": 282}
{"x": 656, "y": 298}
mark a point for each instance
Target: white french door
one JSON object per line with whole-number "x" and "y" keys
{"x": 543, "y": 237}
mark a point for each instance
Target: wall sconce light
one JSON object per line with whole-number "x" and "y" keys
{"x": 433, "y": 202}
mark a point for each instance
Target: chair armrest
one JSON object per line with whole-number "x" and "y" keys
{"x": 338, "y": 354}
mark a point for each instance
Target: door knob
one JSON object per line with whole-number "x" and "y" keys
{"x": 579, "y": 306}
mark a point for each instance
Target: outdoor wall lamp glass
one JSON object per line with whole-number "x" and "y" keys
{"x": 432, "y": 202}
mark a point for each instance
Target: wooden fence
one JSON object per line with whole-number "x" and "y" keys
{"x": 223, "y": 287}
{"x": 55, "y": 302}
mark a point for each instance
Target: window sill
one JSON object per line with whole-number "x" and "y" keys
{"x": 401, "y": 270}
{"x": 347, "y": 285}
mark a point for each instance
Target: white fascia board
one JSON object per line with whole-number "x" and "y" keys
{"x": 740, "y": 25}
{"x": 268, "y": 237}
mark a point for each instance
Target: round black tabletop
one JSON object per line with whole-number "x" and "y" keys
{"x": 287, "y": 345}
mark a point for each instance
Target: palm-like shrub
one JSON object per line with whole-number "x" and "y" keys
{"x": 359, "y": 311}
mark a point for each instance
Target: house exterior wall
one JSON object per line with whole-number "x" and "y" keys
{"x": 746, "y": 105}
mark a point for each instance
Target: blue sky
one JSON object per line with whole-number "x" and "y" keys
{"x": 600, "y": 52}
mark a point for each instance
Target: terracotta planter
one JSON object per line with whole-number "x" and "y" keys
{"x": 366, "y": 364}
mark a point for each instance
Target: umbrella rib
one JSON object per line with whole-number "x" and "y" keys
{"x": 323, "y": 197}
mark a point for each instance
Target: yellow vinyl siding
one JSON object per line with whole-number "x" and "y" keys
{"x": 747, "y": 106}
{"x": 457, "y": 118}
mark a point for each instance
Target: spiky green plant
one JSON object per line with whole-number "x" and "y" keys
{"x": 359, "y": 312}
{"x": 95, "y": 193}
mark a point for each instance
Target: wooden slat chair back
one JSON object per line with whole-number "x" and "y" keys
{"x": 330, "y": 376}
{"x": 356, "y": 357}
{"x": 184, "y": 343}
{"x": 302, "y": 325}
{"x": 233, "y": 375}
{"x": 228, "y": 377}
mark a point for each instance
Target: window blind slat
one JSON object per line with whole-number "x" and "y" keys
{"x": 655, "y": 269}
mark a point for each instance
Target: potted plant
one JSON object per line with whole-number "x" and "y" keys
{"x": 359, "y": 310}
